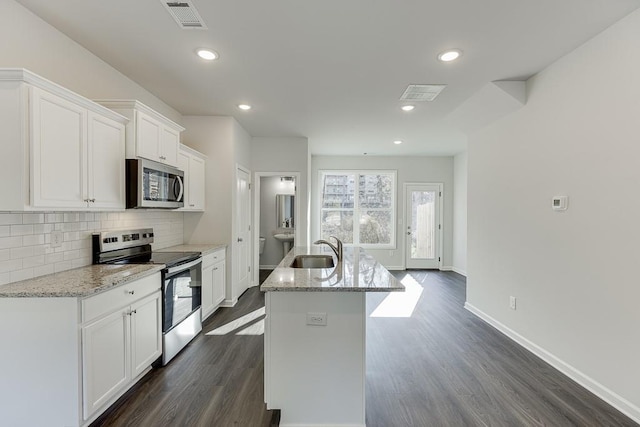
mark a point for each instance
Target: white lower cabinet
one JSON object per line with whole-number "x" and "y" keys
{"x": 213, "y": 281}
{"x": 119, "y": 344}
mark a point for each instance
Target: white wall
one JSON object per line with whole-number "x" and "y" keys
{"x": 225, "y": 143}
{"x": 31, "y": 43}
{"x": 286, "y": 155}
{"x": 573, "y": 272}
{"x": 460, "y": 213}
{"x": 410, "y": 169}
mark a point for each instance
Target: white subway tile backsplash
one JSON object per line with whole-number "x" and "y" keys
{"x": 21, "y": 230}
{"x": 71, "y": 217}
{"x": 10, "y": 265}
{"x": 10, "y": 218}
{"x": 34, "y": 261}
{"x": 25, "y": 274}
{"x": 62, "y": 266}
{"x": 22, "y": 252}
{"x": 26, "y": 252}
{"x": 31, "y": 240}
{"x": 10, "y": 242}
{"x": 54, "y": 217}
{"x": 54, "y": 258}
{"x": 35, "y": 218}
{"x": 42, "y": 270}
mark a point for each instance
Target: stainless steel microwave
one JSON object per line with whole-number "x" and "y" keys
{"x": 154, "y": 185}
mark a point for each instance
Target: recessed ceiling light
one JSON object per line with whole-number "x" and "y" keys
{"x": 449, "y": 55}
{"x": 244, "y": 107}
{"x": 207, "y": 54}
{"x": 408, "y": 107}
{"x": 397, "y": 142}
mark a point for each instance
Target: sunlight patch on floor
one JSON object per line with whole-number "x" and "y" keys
{"x": 400, "y": 304}
{"x": 255, "y": 329}
{"x": 239, "y": 323}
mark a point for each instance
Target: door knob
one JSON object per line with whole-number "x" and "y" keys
{"x": 239, "y": 239}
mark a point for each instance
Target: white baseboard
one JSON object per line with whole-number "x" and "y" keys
{"x": 618, "y": 402}
{"x": 446, "y": 268}
{"x": 395, "y": 268}
{"x": 460, "y": 271}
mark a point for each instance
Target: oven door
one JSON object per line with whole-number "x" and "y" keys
{"x": 182, "y": 293}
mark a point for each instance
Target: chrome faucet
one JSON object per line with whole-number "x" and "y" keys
{"x": 337, "y": 250}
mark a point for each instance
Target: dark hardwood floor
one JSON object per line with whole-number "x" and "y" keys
{"x": 440, "y": 367}
{"x": 444, "y": 367}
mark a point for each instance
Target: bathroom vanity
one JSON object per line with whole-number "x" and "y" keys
{"x": 315, "y": 329}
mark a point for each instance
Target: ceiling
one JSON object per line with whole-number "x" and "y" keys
{"x": 333, "y": 70}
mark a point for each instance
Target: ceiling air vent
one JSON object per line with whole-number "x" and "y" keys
{"x": 419, "y": 93}
{"x": 185, "y": 14}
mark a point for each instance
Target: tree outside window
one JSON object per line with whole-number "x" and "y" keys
{"x": 366, "y": 196}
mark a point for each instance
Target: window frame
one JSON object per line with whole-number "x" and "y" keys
{"x": 357, "y": 210}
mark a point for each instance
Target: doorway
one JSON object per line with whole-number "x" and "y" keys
{"x": 243, "y": 232}
{"x": 423, "y": 233}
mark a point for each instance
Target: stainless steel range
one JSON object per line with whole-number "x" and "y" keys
{"x": 182, "y": 279}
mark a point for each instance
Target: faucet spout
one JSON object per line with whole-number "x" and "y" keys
{"x": 336, "y": 249}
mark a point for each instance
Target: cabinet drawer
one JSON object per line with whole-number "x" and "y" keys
{"x": 213, "y": 258}
{"x": 121, "y": 296}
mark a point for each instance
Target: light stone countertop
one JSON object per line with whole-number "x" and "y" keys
{"x": 359, "y": 272}
{"x": 204, "y": 249}
{"x": 79, "y": 282}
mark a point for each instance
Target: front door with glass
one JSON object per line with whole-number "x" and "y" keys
{"x": 422, "y": 225}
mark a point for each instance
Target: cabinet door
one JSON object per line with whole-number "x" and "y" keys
{"x": 219, "y": 282}
{"x": 183, "y": 165}
{"x": 146, "y": 333}
{"x": 106, "y": 144}
{"x": 169, "y": 141}
{"x": 196, "y": 183}
{"x": 106, "y": 361}
{"x": 207, "y": 291}
{"x": 58, "y": 151}
{"x": 148, "y": 132}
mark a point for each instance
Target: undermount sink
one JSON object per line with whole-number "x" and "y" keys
{"x": 286, "y": 239}
{"x": 312, "y": 261}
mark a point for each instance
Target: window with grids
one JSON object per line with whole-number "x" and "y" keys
{"x": 358, "y": 207}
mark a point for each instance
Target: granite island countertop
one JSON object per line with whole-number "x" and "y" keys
{"x": 359, "y": 272}
{"x": 205, "y": 249}
{"x": 79, "y": 282}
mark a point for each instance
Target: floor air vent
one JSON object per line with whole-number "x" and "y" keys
{"x": 185, "y": 14}
{"x": 418, "y": 93}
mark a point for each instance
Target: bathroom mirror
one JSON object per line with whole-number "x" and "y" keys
{"x": 285, "y": 207}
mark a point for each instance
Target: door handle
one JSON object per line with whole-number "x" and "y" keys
{"x": 408, "y": 233}
{"x": 239, "y": 239}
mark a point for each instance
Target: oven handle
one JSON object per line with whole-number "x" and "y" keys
{"x": 182, "y": 267}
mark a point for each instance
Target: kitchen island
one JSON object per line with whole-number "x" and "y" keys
{"x": 315, "y": 329}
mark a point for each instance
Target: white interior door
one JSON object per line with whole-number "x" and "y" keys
{"x": 422, "y": 225}
{"x": 243, "y": 232}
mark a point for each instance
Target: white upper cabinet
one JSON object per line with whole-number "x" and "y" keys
{"x": 193, "y": 164}
{"x": 150, "y": 135}
{"x": 60, "y": 150}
